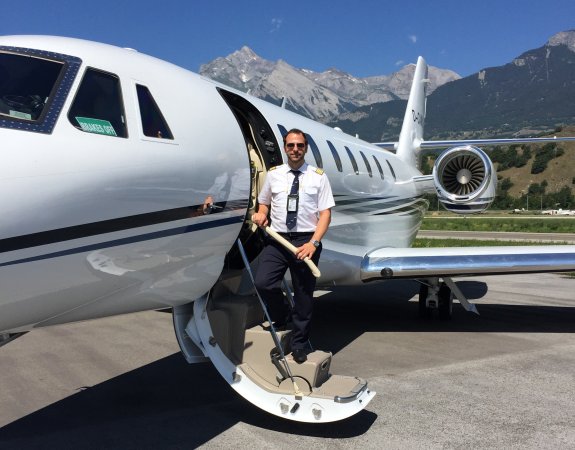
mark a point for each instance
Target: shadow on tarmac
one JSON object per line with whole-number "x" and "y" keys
{"x": 170, "y": 404}
{"x": 166, "y": 404}
{"x": 386, "y": 308}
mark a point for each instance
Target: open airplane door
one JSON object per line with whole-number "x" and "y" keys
{"x": 228, "y": 325}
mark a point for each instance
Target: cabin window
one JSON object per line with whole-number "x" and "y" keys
{"x": 353, "y": 161}
{"x": 315, "y": 151}
{"x": 98, "y": 106}
{"x": 283, "y": 130}
{"x": 336, "y": 157}
{"x": 391, "y": 168}
{"x": 378, "y": 167}
{"x": 367, "y": 165}
{"x": 26, "y": 85}
{"x": 153, "y": 122}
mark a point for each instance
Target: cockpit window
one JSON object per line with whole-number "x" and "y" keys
{"x": 25, "y": 85}
{"x": 153, "y": 122}
{"x": 98, "y": 106}
{"x": 33, "y": 87}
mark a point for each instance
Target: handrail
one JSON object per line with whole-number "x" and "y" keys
{"x": 275, "y": 337}
{"x": 314, "y": 270}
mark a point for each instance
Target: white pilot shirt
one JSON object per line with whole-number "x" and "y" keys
{"x": 314, "y": 196}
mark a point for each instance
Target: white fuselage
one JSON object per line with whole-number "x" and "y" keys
{"x": 95, "y": 225}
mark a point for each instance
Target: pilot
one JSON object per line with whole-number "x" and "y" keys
{"x": 298, "y": 198}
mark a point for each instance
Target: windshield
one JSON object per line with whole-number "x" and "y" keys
{"x": 34, "y": 85}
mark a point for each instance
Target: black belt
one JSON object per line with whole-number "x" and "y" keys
{"x": 296, "y": 234}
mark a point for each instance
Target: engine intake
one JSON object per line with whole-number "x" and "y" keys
{"x": 465, "y": 179}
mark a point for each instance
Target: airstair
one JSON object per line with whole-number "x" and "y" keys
{"x": 232, "y": 330}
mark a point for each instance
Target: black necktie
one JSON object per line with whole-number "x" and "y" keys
{"x": 291, "y": 217}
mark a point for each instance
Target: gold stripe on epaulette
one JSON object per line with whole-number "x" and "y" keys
{"x": 319, "y": 171}
{"x": 273, "y": 168}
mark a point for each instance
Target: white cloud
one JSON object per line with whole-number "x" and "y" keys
{"x": 276, "y": 24}
{"x": 401, "y": 62}
{"x": 412, "y": 38}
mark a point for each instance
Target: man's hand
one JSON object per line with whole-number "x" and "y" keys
{"x": 305, "y": 251}
{"x": 260, "y": 219}
{"x": 207, "y": 207}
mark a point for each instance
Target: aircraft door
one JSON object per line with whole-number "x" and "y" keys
{"x": 264, "y": 152}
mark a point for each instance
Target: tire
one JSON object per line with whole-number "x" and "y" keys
{"x": 445, "y": 302}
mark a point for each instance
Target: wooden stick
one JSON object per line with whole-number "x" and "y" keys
{"x": 314, "y": 270}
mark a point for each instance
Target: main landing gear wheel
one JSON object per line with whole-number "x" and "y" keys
{"x": 443, "y": 302}
{"x": 445, "y": 296}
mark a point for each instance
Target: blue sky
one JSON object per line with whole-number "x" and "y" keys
{"x": 364, "y": 38}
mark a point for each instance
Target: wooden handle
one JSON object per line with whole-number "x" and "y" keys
{"x": 314, "y": 270}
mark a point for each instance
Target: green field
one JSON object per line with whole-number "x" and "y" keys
{"x": 429, "y": 243}
{"x": 511, "y": 224}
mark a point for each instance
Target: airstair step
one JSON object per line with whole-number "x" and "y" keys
{"x": 315, "y": 370}
{"x": 342, "y": 389}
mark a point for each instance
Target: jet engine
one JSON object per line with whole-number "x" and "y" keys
{"x": 465, "y": 180}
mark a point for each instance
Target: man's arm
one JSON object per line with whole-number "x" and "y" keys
{"x": 322, "y": 224}
{"x": 308, "y": 249}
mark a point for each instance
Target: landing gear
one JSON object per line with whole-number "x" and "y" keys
{"x": 435, "y": 296}
{"x": 424, "y": 310}
{"x": 445, "y": 302}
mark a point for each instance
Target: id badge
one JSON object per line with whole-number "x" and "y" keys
{"x": 292, "y": 203}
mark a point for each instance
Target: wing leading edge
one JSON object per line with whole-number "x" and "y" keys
{"x": 388, "y": 263}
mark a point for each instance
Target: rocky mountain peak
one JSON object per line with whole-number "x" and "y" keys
{"x": 319, "y": 95}
{"x": 563, "y": 38}
{"x": 246, "y": 53}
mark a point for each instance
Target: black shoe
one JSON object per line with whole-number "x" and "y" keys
{"x": 299, "y": 355}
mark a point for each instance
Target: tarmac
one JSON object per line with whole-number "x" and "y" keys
{"x": 504, "y": 379}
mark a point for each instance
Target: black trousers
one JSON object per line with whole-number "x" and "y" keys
{"x": 274, "y": 262}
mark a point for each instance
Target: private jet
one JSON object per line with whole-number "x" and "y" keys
{"x": 128, "y": 184}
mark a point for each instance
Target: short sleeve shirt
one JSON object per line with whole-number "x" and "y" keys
{"x": 314, "y": 196}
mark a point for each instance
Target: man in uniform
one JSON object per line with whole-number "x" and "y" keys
{"x": 298, "y": 198}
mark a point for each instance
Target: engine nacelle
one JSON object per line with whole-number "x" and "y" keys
{"x": 465, "y": 180}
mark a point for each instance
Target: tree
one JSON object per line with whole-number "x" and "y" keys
{"x": 505, "y": 185}
{"x": 564, "y": 197}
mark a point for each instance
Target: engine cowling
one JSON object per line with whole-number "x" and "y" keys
{"x": 465, "y": 180}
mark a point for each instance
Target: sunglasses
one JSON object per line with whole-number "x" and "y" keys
{"x": 299, "y": 145}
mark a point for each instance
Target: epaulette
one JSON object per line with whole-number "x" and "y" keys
{"x": 272, "y": 168}
{"x": 319, "y": 171}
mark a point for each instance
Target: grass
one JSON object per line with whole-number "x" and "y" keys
{"x": 435, "y": 243}
{"x": 524, "y": 225}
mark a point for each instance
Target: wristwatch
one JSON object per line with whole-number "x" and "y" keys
{"x": 315, "y": 243}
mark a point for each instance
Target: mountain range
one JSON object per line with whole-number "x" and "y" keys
{"x": 322, "y": 96}
{"x": 532, "y": 93}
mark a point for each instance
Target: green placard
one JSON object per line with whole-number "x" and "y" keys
{"x": 97, "y": 126}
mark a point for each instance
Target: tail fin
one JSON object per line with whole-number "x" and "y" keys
{"x": 411, "y": 141}
{"x": 411, "y": 134}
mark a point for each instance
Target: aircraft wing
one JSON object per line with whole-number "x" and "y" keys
{"x": 426, "y": 145}
{"x": 388, "y": 263}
